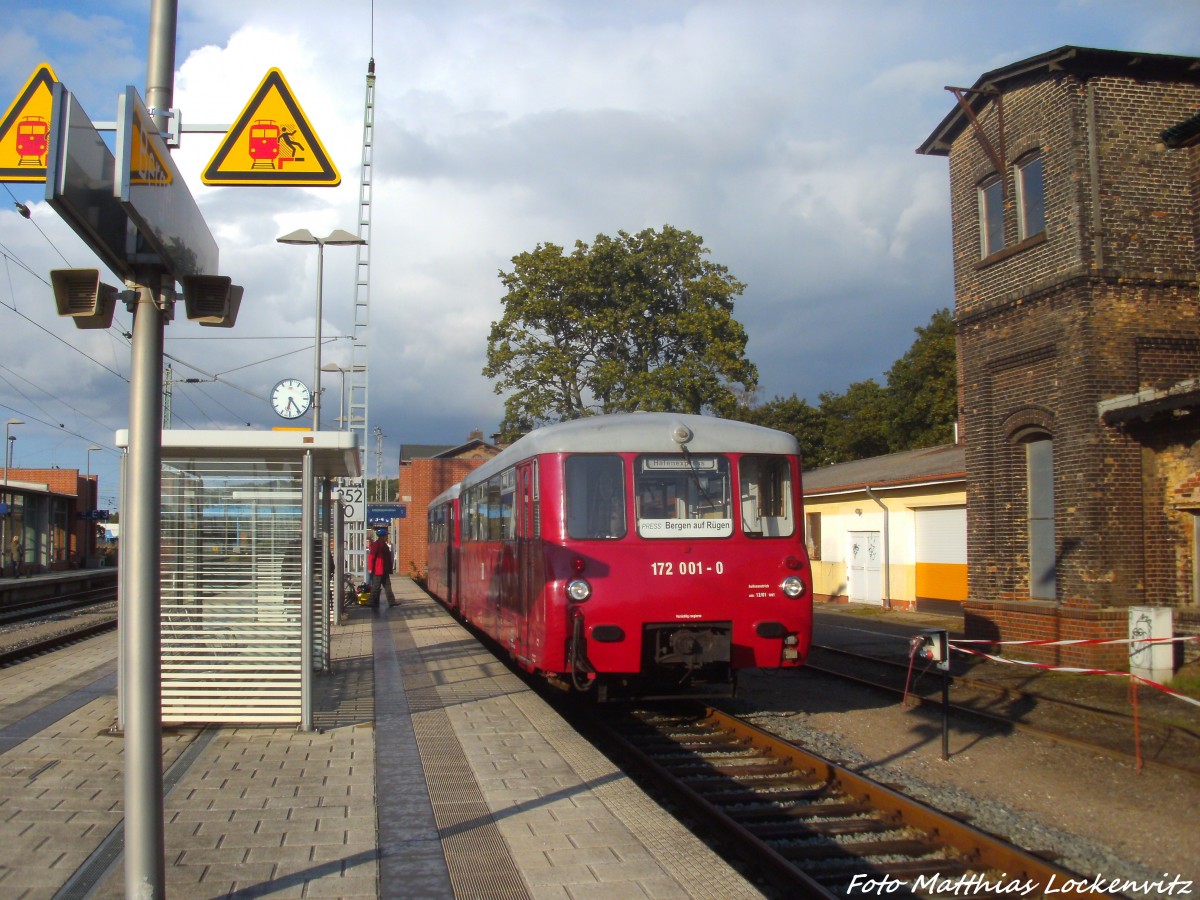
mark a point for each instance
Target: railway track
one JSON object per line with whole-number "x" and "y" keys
{"x": 1110, "y": 731}
{"x": 12, "y": 655}
{"x": 25, "y": 610}
{"x": 814, "y": 828}
{"x": 32, "y": 628}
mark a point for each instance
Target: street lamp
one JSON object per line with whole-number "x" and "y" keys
{"x": 337, "y": 238}
{"x": 8, "y": 442}
{"x": 333, "y": 367}
{"x": 91, "y": 505}
{"x": 91, "y": 496}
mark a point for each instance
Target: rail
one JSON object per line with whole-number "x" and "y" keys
{"x": 815, "y": 828}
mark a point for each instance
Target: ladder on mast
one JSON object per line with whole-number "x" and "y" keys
{"x": 356, "y": 528}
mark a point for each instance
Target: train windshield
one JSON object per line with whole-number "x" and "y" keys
{"x": 683, "y": 495}
{"x": 766, "y": 493}
{"x": 595, "y": 497}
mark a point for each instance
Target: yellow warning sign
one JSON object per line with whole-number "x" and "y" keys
{"x": 272, "y": 143}
{"x": 25, "y": 129}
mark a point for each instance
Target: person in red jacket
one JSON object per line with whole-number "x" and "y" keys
{"x": 379, "y": 567}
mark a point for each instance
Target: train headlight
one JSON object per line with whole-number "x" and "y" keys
{"x": 579, "y": 590}
{"x": 793, "y": 586}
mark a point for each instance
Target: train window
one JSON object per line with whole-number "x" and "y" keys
{"x": 595, "y": 497}
{"x": 508, "y": 508}
{"x": 683, "y": 496}
{"x": 476, "y": 512}
{"x": 494, "y": 527}
{"x": 766, "y": 491}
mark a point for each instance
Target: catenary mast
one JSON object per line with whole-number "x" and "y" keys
{"x": 356, "y": 528}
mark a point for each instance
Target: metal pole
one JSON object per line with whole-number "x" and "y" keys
{"x": 339, "y": 560}
{"x": 145, "y": 870}
{"x": 945, "y": 715}
{"x": 342, "y": 402}
{"x": 326, "y": 571}
{"x": 145, "y": 873}
{"x": 307, "y": 577}
{"x": 316, "y": 400}
{"x": 92, "y": 499}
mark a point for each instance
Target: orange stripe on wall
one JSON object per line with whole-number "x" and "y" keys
{"x": 942, "y": 581}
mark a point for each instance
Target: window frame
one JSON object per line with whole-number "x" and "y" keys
{"x": 657, "y": 482}
{"x": 766, "y": 486}
{"x": 1022, "y": 170}
{"x": 591, "y": 507}
{"x": 990, "y": 193}
{"x": 1041, "y": 523}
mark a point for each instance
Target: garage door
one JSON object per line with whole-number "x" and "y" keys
{"x": 941, "y": 558}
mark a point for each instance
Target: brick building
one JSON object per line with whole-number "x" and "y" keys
{"x": 425, "y": 471}
{"x": 43, "y": 510}
{"x": 1073, "y": 184}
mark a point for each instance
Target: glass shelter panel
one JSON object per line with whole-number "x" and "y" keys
{"x": 231, "y": 590}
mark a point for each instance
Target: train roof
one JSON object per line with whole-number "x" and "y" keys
{"x": 642, "y": 432}
{"x": 448, "y": 494}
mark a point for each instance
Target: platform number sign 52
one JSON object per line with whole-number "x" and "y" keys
{"x": 354, "y": 501}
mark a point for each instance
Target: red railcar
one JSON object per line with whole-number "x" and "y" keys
{"x": 634, "y": 554}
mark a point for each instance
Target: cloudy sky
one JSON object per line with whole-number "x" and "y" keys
{"x": 783, "y": 133}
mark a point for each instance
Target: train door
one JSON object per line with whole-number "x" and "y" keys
{"x": 529, "y": 568}
{"x": 452, "y": 552}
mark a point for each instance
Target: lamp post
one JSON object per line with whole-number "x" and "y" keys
{"x": 91, "y": 499}
{"x": 8, "y": 439}
{"x": 8, "y": 442}
{"x": 333, "y": 367}
{"x": 90, "y": 544}
{"x": 337, "y": 238}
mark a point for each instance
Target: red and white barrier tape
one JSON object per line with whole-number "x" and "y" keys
{"x": 1079, "y": 642}
{"x": 1075, "y": 671}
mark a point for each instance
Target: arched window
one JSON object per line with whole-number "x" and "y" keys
{"x": 1039, "y": 468}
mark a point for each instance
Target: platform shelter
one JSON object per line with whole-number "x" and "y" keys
{"x": 247, "y": 599}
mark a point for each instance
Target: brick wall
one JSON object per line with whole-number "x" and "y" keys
{"x": 72, "y": 543}
{"x": 1104, "y": 304}
{"x": 422, "y": 480}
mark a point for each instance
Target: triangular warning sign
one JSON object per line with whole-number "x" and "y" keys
{"x": 272, "y": 143}
{"x": 25, "y": 129}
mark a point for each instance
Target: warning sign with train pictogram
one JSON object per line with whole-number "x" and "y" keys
{"x": 272, "y": 143}
{"x": 25, "y": 129}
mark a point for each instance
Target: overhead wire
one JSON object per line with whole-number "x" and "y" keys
{"x": 26, "y": 397}
{"x": 24, "y": 211}
{"x": 123, "y": 332}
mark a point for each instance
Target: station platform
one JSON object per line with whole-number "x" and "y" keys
{"x": 433, "y": 772}
{"x": 43, "y": 585}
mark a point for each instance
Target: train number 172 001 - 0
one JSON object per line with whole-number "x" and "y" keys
{"x": 687, "y": 567}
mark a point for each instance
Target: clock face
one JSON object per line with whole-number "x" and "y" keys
{"x": 291, "y": 398}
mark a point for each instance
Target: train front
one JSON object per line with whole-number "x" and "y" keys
{"x": 681, "y": 568}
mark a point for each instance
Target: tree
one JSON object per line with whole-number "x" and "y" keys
{"x": 796, "y": 417}
{"x": 922, "y": 388}
{"x": 855, "y": 423}
{"x": 636, "y": 322}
